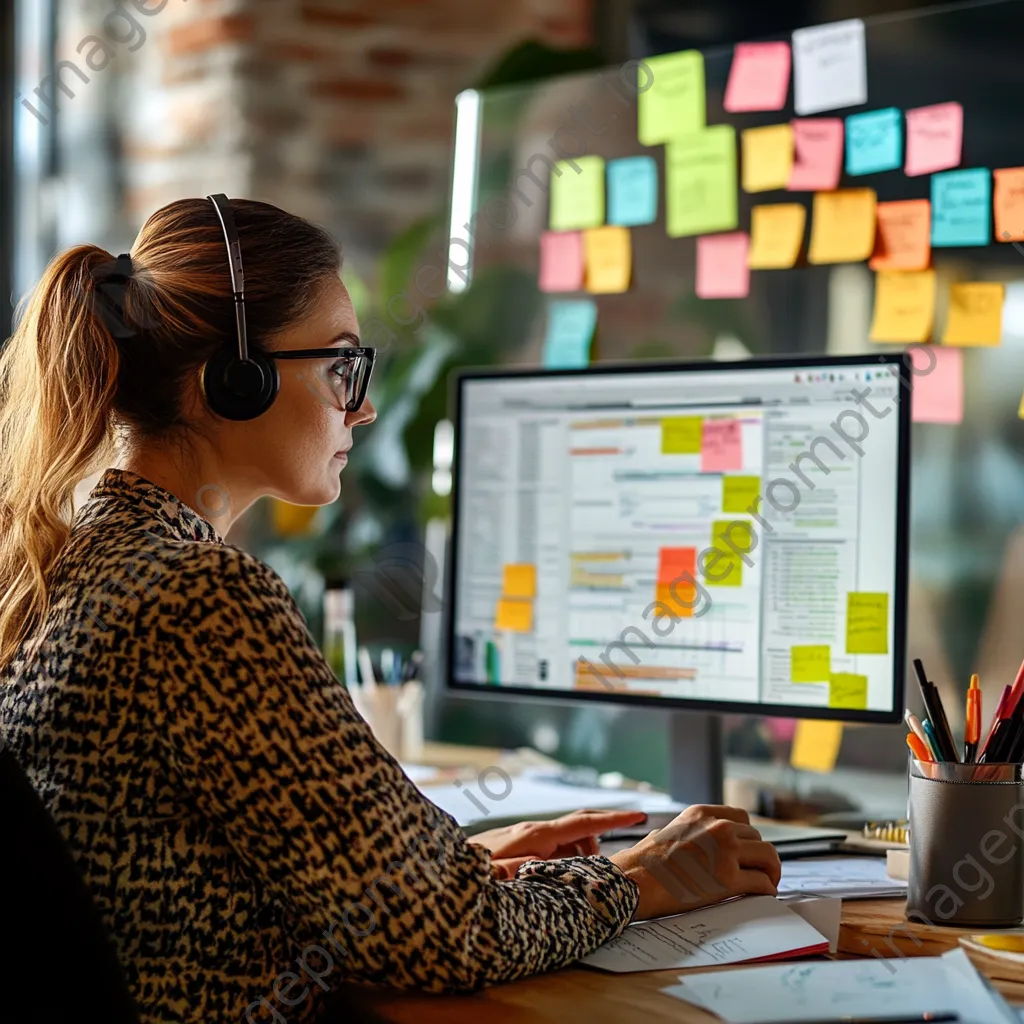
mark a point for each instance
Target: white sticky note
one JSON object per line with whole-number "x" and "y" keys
{"x": 829, "y": 67}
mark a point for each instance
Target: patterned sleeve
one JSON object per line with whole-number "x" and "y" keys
{"x": 271, "y": 748}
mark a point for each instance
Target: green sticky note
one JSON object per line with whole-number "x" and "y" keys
{"x": 740, "y": 493}
{"x": 867, "y": 623}
{"x": 846, "y": 690}
{"x": 682, "y": 435}
{"x": 810, "y": 664}
{"x": 670, "y": 96}
{"x": 577, "y": 195}
{"x": 700, "y": 183}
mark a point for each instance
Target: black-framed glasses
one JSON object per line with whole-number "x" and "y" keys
{"x": 349, "y": 375}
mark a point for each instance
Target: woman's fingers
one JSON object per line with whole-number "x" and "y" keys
{"x": 755, "y": 883}
{"x": 586, "y": 824}
{"x": 760, "y": 856}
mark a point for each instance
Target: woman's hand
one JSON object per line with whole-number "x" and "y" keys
{"x": 572, "y": 835}
{"x": 705, "y": 855}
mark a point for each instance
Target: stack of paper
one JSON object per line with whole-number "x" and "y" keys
{"x": 849, "y": 878}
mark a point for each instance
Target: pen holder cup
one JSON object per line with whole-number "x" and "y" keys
{"x": 395, "y": 716}
{"x": 966, "y": 826}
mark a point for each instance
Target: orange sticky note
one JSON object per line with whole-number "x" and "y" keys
{"x": 680, "y": 599}
{"x": 904, "y": 305}
{"x": 777, "y": 235}
{"x": 609, "y": 258}
{"x": 975, "y": 314}
{"x": 561, "y": 261}
{"x": 938, "y": 383}
{"x": 1009, "y": 204}
{"x": 903, "y": 240}
{"x": 722, "y": 271}
{"x": 519, "y": 581}
{"x": 817, "y": 154}
{"x": 758, "y": 78}
{"x": 515, "y": 616}
{"x": 767, "y": 157}
{"x": 721, "y": 446}
{"x": 843, "y": 226}
{"x": 676, "y": 562}
{"x": 934, "y": 138}
{"x": 816, "y": 745}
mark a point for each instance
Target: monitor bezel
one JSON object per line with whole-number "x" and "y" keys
{"x": 485, "y": 691}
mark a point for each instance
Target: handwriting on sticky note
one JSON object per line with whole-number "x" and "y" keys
{"x": 934, "y": 138}
{"x": 816, "y": 745}
{"x": 721, "y": 446}
{"x": 519, "y": 581}
{"x": 767, "y": 157}
{"x": 740, "y": 493}
{"x": 682, "y": 435}
{"x": 700, "y": 183}
{"x": 938, "y": 382}
{"x": 514, "y": 615}
{"x": 810, "y": 663}
{"x": 758, "y": 77}
{"x": 722, "y": 271}
{"x": 570, "y": 331}
{"x": 847, "y": 690}
{"x": 777, "y": 235}
{"x": 843, "y": 226}
{"x": 577, "y": 195}
{"x": 561, "y": 261}
{"x": 904, "y": 305}
{"x": 817, "y": 154}
{"x": 1009, "y": 204}
{"x": 975, "y": 314}
{"x": 829, "y": 67}
{"x": 674, "y": 563}
{"x": 670, "y": 97}
{"x": 874, "y": 141}
{"x": 961, "y": 207}
{"x": 867, "y": 623}
{"x": 903, "y": 238}
{"x": 608, "y": 254}
{"x": 632, "y": 191}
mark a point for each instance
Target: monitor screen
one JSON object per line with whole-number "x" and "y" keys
{"x": 719, "y": 536}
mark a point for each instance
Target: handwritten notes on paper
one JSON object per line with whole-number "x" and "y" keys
{"x": 777, "y": 235}
{"x": 722, "y": 271}
{"x": 700, "y": 185}
{"x": 577, "y": 196}
{"x": 632, "y": 191}
{"x": 514, "y": 615}
{"x": 874, "y": 141}
{"x": 519, "y": 580}
{"x": 570, "y": 331}
{"x": 740, "y": 493}
{"x": 608, "y": 255}
{"x": 934, "y": 138}
{"x": 817, "y": 154}
{"x": 816, "y": 745}
{"x": 903, "y": 239}
{"x": 1009, "y": 204}
{"x": 810, "y": 663}
{"x": 561, "y": 261}
{"x": 767, "y": 157}
{"x": 682, "y": 435}
{"x": 847, "y": 690}
{"x": 975, "y": 314}
{"x": 721, "y": 446}
{"x": 938, "y": 381}
{"x": 867, "y": 623}
{"x": 758, "y": 77}
{"x": 670, "y": 98}
{"x": 961, "y": 207}
{"x": 904, "y": 306}
{"x": 829, "y": 67}
{"x": 843, "y": 226}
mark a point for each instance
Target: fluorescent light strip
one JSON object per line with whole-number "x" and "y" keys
{"x": 464, "y": 172}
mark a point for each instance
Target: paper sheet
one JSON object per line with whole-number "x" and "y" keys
{"x": 822, "y": 913}
{"x": 758, "y": 77}
{"x": 608, "y": 254}
{"x": 934, "y": 138}
{"x": 777, "y": 235}
{"x": 843, "y": 226}
{"x": 938, "y": 382}
{"x": 810, "y": 663}
{"x": 904, "y": 306}
{"x": 961, "y": 207}
{"x": 874, "y": 141}
{"x": 816, "y": 745}
{"x": 829, "y": 67}
{"x": 751, "y": 928}
{"x": 570, "y": 332}
{"x": 577, "y": 195}
{"x": 672, "y": 105}
{"x": 767, "y": 157}
{"x": 632, "y": 191}
{"x": 867, "y": 623}
{"x": 700, "y": 185}
{"x": 817, "y": 154}
{"x": 722, "y": 271}
{"x": 903, "y": 239}
{"x": 561, "y": 261}
{"x": 1009, "y": 204}
{"x": 850, "y": 877}
{"x": 975, "y": 313}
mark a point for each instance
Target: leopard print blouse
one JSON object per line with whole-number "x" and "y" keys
{"x": 248, "y": 841}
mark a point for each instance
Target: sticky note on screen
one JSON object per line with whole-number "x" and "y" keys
{"x": 577, "y": 196}
{"x": 608, "y": 256}
{"x": 848, "y": 690}
{"x": 975, "y": 314}
{"x": 740, "y": 493}
{"x": 758, "y": 77}
{"x": 515, "y": 616}
{"x": 867, "y": 623}
{"x": 632, "y": 191}
{"x": 570, "y": 331}
{"x": 722, "y": 271}
{"x": 700, "y": 183}
{"x": 519, "y": 580}
{"x": 682, "y": 435}
{"x": 843, "y": 226}
{"x": 816, "y": 745}
{"x": 934, "y": 138}
{"x": 810, "y": 663}
{"x": 674, "y": 563}
{"x": 777, "y": 235}
{"x": 961, "y": 207}
{"x": 938, "y": 383}
{"x": 561, "y": 261}
{"x": 730, "y": 538}
{"x": 874, "y": 141}
{"x": 903, "y": 235}
{"x": 904, "y": 306}
{"x": 670, "y": 99}
{"x": 1009, "y": 204}
{"x": 817, "y": 154}
{"x": 829, "y": 67}
{"x": 721, "y": 446}
{"x": 767, "y": 157}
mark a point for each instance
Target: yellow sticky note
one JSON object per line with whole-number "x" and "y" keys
{"x": 776, "y": 235}
{"x": 867, "y": 623}
{"x": 577, "y": 193}
{"x": 682, "y": 435}
{"x": 731, "y": 538}
{"x": 767, "y": 157}
{"x": 609, "y": 259}
{"x": 515, "y": 616}
{"x": 670, "y": 96}
{"x": 810, "y": 664}
{"x": 1020, "y": 409}
{"x": 519, "y": 581}
{"x": 846, "y": 690}
{"x": 740, "y": 493}
{"x": 843, "y": 228}
{"x": 904, "y": 305}
{"x": 700, "y": 183}
{"x": 816, "y": 745}
{"x": 975, "y": 314}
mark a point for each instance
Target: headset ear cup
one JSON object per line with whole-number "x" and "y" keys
{"x": 239, "y": 390}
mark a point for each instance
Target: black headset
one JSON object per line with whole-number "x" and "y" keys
{"x": 238, "y": 385}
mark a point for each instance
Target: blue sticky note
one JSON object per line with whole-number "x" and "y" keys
{"x": 571, "y": 324}
{"x": 874, "y": 141}
{"x": 962, "y": 207}
{"x": 632, "y": 191}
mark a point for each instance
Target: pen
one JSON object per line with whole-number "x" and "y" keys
{"x": 366, "y": 669}
{"x": 933, "y": 743}
{"x": 933, "y": 704}
{"x": 997, "y": 715}
{"x": 919, "y": 749}
{"x": 914, "y": 725}
{"x": 972, "y": 730}
{"x": 412, "y": 667}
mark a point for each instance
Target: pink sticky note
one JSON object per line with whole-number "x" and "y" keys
{"x": 758, "y": 78}
{"x": 934, "y": 137}
{"x": 561, "y": 261}
{"x": 781, "y": 729}
{"x": 722, "y": 271}
{"x": 938, "y": 382}
{"x": 817, "y": 154}
{"x": 721, "y": 447}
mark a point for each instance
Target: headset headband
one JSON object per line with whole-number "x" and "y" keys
{"x": 227, "y": 223}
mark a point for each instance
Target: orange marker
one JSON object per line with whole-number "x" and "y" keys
{"x": 920, "y": 751}
{"x": 972, "y": 732}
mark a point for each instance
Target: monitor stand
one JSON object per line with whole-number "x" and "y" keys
{"x": 696, "y": 758}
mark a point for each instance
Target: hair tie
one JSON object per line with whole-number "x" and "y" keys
{"x": 109, "y": 283}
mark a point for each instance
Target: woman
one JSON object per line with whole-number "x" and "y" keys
{"x": 249, "y": 843}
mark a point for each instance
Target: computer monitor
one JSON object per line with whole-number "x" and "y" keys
{"x": 700, "y": 537}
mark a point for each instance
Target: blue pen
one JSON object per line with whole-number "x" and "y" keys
{"x": 933, "y": 743}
